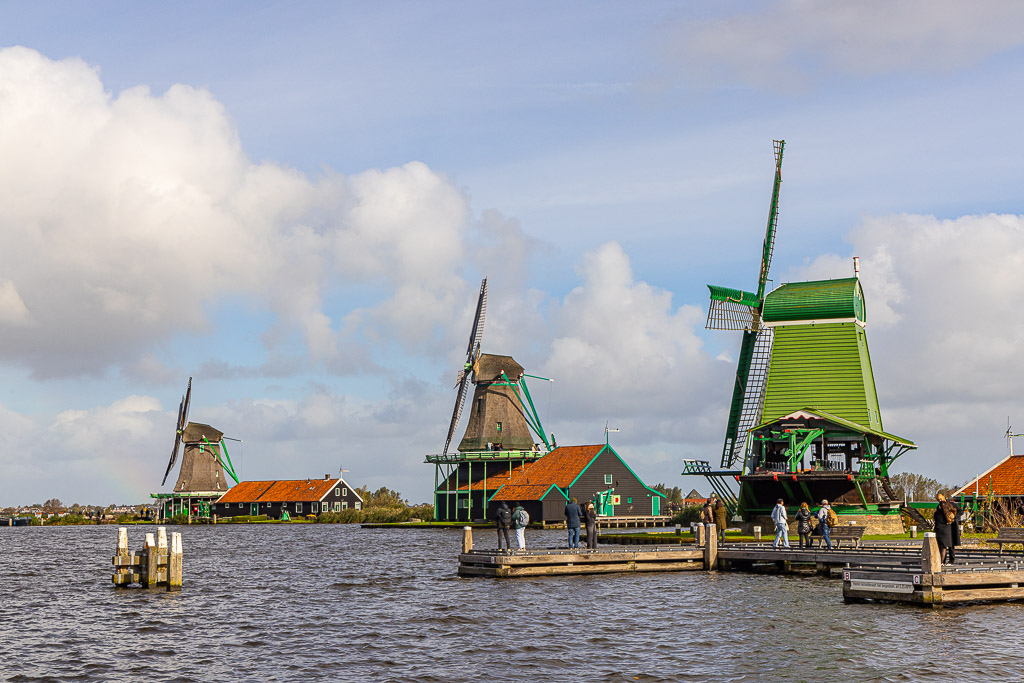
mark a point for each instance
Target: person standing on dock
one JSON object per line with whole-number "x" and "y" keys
{"x": 572, "y": 522}
{"x": 520, "y": 520}
{"x": 707, "y": 513}
{"x": 781, "y": 520}
{"x": 721, "y": 520}
{"x": 803, "y": 525}
{"x": 503, "y": 518}
{"x": 825, "y": 519}
{"x": 591, "y": 515}
{"x": 945, "y": 518}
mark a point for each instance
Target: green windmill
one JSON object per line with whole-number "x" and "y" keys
{"x": 804, "y": 422}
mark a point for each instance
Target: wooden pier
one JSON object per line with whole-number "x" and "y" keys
{"x": 156, "y": 566}
{"x": 894, "y": 571}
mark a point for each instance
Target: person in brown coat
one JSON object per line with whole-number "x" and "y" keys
{"x": 707, "y": 514}
{"x": 721, "y": 520}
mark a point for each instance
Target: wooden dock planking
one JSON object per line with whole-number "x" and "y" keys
{"x": 546, "y": 562}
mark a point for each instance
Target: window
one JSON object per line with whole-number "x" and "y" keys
{"x": 359, "y": 506}
{"x": 629, "y": 500}
{"x": 344, "y": 505}
{"x": 464, "y": 504}
{"x": 337, "y": 506}
{"x": 298, "y": 507}
{"x": 344, "y": 492}
{"x": 479, "y": 405}
{"x": 608, "y": 479}
{"x": 499, "y": 427}
{"x": 315, "y": 506}
{"x": 337, "y": 492}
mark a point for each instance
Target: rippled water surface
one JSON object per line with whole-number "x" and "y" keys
{"x": 273, "y": 602}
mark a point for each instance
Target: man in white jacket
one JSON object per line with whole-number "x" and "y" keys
{"x": 781, "y": 524}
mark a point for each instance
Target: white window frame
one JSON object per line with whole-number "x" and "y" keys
{"x": 337, "y": 492}
{"x": 359, "y": 506}
{"x": 609, "y": 479}
{"x": 298, "y": 508}
{"x": 315, "y": 507}
{"x": 344, "y": 492}
{"x": 337, "y": 506}
{"x": 344, "y": 505}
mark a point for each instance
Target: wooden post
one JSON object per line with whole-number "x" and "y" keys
{"x": 152, "y": 561}
{"x": 467, "y": 539}
{"x": 711, "y": 548}
{"x": 699, "y": 535}
{"x": 215, "y": 518}
{"x": 122, "y": 542}
{"x": 913, "y": 531}
{"x": 931, "y": 560}
{"x": 757, "y": 533}
{"x": 174, "y": 563}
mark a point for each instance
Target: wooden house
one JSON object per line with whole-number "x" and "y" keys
{"x": 297, "y": 497}
{"x": 588, "y": 473}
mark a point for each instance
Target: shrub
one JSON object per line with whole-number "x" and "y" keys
{"x": 688, "y": 515}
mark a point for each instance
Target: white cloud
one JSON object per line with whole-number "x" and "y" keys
{"x": 796, "y": 41}
{"x": 125, "y": 216}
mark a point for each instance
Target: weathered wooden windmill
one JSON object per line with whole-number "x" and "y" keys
{"x": 804, "y": 422}
{"x": 499, "y": 436}
{"x": 201, "y": 479}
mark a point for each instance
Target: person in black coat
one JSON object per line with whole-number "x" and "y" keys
{"x": 944, "y": 518}
{"x": 503, "y": 518}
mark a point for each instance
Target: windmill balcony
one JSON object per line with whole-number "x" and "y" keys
{"x": 483, "y": 456}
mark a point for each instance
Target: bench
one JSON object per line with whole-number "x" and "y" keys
{"x": 1008, "y": 534}
{"x": 838, "y": 534}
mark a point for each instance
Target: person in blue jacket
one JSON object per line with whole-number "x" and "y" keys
{"x": 572, "y": 522}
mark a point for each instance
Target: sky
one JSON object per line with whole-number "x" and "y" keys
{"x": 294, "y": 204}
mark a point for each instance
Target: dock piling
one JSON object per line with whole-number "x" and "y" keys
{"x": 711, "y": 548}
{"x": 757, "y": 534}
{"x": 699, "y": 533}
{"x": 174, "y": 562}
{"x": 156, "y": 565}
{"x": 467, "y": 539}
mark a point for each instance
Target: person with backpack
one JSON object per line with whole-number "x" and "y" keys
{"x": 503, "y": 518}
{"x": 781, "y": 520}
{"x": 945, "y": 518}
{"x": 591, "y": 517}
{"x": 520, "y": 520}
{"x": 827, "y": 518}
{"x": 572, "y": 522}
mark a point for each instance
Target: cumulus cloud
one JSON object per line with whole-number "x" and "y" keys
{"x": 126, "y": 215}
{"x": 799, "y": 41}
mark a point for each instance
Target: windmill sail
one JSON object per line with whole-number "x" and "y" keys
{"x": 180, "y": 425}
{"x": 735, "y": 309}
{"x": 476, "y": 334}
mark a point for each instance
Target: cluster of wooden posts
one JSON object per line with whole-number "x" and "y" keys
{"x": 156, "y": 566}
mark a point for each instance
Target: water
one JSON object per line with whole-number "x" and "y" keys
{"x": 336, "y": 602}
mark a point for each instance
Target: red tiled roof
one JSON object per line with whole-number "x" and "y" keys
{"x": 493, "y": 483}
{"x": 245, "y": 492}
{"x": 523, "y": 492}
{"x": 1006, "y": 477}
{"x": 560, "y": 467}
{"x": 281, "y": 491}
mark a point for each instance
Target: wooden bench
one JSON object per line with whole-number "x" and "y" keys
{"x": 1008, "y": 534}
{"x": 839, "y": 534}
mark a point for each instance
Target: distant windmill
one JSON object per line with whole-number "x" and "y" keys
{"x": 467, "y": 373}
{"x": 205, "y": 457}
{"x": 1009, "y": 434}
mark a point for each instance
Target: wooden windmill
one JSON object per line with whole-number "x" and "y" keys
{"x": 500, "y": 432}
{"x": 204, "y": 462}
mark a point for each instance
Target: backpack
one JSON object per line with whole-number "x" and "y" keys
{"x": 950, "y": 513}
{"x": 524, "y": 518}
{"x": 833, "y": 518}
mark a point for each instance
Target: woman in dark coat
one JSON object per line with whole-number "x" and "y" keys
{"x": 803, "y": 525}
{"x": 945, "y": 518}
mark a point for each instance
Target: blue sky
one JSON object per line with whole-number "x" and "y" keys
{"x": 294, "y": 203}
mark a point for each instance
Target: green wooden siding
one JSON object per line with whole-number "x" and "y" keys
{"x": 822, "y": 366}
{"x": 818, "y": 300}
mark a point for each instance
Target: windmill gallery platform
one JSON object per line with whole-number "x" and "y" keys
{"x": 903, "y": 571}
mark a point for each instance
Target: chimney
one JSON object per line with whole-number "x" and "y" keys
{"x": 856, "y": 267}
{"x": 327, "y": 476}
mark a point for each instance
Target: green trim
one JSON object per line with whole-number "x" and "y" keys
{"x": 816, "y": 300}
{"x": 849, "y": 424}
{"x": 607, "y": 447}
{"x": 738, "y": 296}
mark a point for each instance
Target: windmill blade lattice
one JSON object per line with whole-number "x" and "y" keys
{"x": 182, "y": 421}
{"x": 476, "y": 334}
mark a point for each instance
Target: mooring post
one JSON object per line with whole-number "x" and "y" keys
{"x": 699, "y": 535}
{"x": 467, "y": 539}
{"x": 161, "y": 551}
{"x": 122, "y": 542}
{"x": 757, "y": 534}
{"x": 150, "y": 550}
{"x": 931, "y": 564}
{"x": 174, "y": 563}
{"x": 913, "y": 531}
{"x": 711, "y": 548}
{"x": 214, "y": 518}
